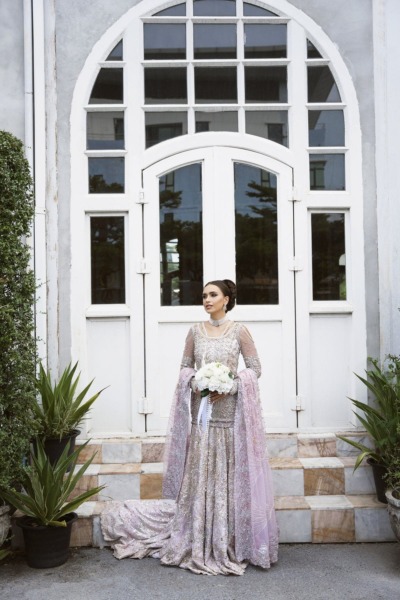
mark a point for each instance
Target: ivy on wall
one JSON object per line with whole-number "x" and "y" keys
{"x": 17, "y": 294}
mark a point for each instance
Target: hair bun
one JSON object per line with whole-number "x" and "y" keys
{"x": 232, "y": 293}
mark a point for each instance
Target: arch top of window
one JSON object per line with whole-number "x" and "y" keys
{"x": 215, "y": 8}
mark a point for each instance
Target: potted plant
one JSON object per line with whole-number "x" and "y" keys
{"x": 380, "y": 421}
{"x": 46, "y": 504}
{"x": 61, "y": 409}
{"x": 393, "y": 492}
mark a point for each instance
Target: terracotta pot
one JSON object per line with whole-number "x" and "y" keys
{"x": 394, "y": 512}
{"x": 5, "y": 523}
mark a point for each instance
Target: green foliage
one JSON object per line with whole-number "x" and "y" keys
{"x": 382, "y": 421}
{"x": 47, "y": 488}
{"x": 62, "y": 408}
{"x": 392, "y": 477}
{"x": 17, "y": 294}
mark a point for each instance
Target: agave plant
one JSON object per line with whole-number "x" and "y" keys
{"x": 61, "y": 408}
{"x": 47, "y": 488}
{"x": 382, "y": 421}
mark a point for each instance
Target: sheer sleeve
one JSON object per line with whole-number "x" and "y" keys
{"x": 249, "y": 351}
{"x": 188, "y": 352}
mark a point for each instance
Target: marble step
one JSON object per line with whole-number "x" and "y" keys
{"x": 302, "y": 519}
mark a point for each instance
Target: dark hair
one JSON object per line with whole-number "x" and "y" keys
{"x": 228, "y": 288}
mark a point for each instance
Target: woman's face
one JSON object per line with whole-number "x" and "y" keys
{"x": 214, "y": 300}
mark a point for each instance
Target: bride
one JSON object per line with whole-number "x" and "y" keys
{"x": 217, "y": 513}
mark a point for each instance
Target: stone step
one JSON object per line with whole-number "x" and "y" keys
{"x": 302, "y": 519}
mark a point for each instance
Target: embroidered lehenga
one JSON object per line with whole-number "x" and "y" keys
{"x": 217, "y": 514}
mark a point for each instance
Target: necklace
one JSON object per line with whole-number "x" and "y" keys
{"x": 218, "y": 322}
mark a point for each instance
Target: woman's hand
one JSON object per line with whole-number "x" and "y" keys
{"x": 214, "y": 397}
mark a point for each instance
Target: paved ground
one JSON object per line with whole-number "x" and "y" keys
{"x": 312, "y": 572}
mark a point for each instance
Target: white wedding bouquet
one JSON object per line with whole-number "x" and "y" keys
{"x": 214, "y": 377}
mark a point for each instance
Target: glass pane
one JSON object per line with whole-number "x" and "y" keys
{"x": 108, "y": 87}
{"x": 216, "y": 121}
{"x": 106, "y": 175}
{"x": 327, "y": 172}
{"x": 164, "y": 41}
{"x": 328, "y": 256}
{"x": 325, "y": 128}
{"x": 165, "y": 86}
{"x": 214, "y": 8}
{"x": 181, "y": 237}
{"x": 116, "y": 53}
{"x": 105, "y": 130}
{"x": 214, "y": 41}
{"x": 256, "y": 235}
{"x": 251, "y": 10}
{"x": 321, "y": 85}
{"x": 265, "y": 40}
{"x": 266, "y": 84}
{"x": 164, "y": 126}
{"x": 312, "y": 52}
{"x": 215, "y": 85}
{"x": 179, "y": 10}
{"x": 107, "y": 260}
{"x": 272, "y": 124}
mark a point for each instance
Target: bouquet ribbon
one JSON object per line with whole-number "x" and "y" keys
{"x": 204, "y": 414}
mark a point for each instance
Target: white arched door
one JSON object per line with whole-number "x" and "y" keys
{"x": 215, "y": 213}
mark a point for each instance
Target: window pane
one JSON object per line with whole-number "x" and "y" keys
{"x": 116, "y": 53}
{"x": 165, "y": 86}
{"x": 312, "y": 52}
{"x": 265, "y": 40}
{"x": 108, "y": 87}
{"x": 256, "y": 235}
{"x": 179, "y": 10}
{"x": 214, "y": 41}
{"x": 321, "y": 85}
{"x": 327, "y": 172}
{"x": 216, "y": 121}
{"x": 325, "y": 128}
{"x": 266, "y": 84}
{"x": 107, "y": 260}
{"x": 214, "y": 8}
{"x": 181, "y": 237}
{"x": 215, "y": 85}
{"x": 106, "y": 175}
{"x": 272, "y": 124}
{"x": 105, "y": 130}
{"x": 164, "y": 41}
{"x": 251, "y": 10}
{"x": 328, "y": 256}
{"x": 164, "y": 126}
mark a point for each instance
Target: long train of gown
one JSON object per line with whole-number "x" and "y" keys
{"x": 197, "y": 531}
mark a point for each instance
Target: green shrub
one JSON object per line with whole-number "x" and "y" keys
{"x": 17, "y": 294}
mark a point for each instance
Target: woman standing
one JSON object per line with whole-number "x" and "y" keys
{"x": 217, "y": 514}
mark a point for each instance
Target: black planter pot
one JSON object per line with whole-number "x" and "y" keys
{"x": 54, "y": 447}
{"x": 379, "y": 471}
{"x": 46, "y": 546}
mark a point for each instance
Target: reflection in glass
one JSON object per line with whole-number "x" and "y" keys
{"x": 321, "y": 85}
{"x": 327, "y": 172}
{"x": 108, "y": 87}
{"x": 325, "y": 128}
{"x": 256, "y": 235}
{"x": 181, "y": 236}
{"x": 265, "y": 40}
{"x": 106, "y": 175}
{"x": 269, "y": 124}
{"x": 216, "y": 121}
{"x": 164, "y": 41}
{"x": 251, "y": 10}
{"x": 105, "y": 130}
{"x": 214, "y": 8}
{"x": 116, "y": 53}
{"x": 328, "y": 256}
{"x": 165, "y": 86}
{"x": 107, "y": 260}
{"x": 178, "y": 10}
{"x": 164, "y": 126}
{"x": 312, "y": 52}
{"x": 266, "y": 84}
{"x": 214, "y": 40}
{"x": 215, "y": 85}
